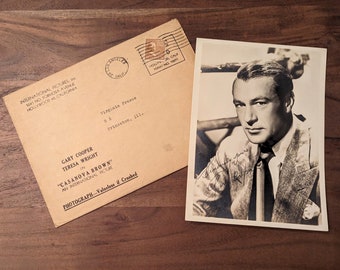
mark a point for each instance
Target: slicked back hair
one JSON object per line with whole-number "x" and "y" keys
{"x": 282, "y": 78}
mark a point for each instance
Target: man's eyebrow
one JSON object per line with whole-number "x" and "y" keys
{"x": 237, "y": 101}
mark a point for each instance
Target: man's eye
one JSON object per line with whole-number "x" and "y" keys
{"x": 261, "y": 103}
{"x": 238, "y": 105}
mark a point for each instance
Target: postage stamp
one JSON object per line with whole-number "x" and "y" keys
{"x": 154, "y": 49}
{"x": 161, "y": 53}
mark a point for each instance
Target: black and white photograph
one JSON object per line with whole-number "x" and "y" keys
{"x": 256, "y": 152}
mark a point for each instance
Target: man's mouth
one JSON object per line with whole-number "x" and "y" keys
{"x": 254, "y": 131}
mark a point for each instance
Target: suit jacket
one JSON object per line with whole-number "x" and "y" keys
{"x": 223, "y": 189}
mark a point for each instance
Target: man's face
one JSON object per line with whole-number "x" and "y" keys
{"x": 261, "y": 113}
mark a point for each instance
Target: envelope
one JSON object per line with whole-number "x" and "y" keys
{"x": 110, "y": 124}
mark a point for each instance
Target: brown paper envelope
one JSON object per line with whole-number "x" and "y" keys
{"x": 110, "y": 124}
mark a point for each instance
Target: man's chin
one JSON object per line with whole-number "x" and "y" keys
{"x": 256, "y": 139}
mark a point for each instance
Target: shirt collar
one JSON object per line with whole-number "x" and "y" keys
{"x": 281, "y": 147}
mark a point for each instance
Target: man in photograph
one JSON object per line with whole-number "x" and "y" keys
{"x": 267, "y": 169}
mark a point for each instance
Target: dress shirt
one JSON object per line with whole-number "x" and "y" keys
{"x": 279, "y": 150}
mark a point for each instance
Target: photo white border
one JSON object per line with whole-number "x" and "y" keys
{"x": 202, "y": 49}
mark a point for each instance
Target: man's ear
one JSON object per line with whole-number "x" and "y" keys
{"x": 289, "y": 102}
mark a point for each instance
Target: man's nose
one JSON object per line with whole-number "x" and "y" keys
{"x": 250, "y": 115}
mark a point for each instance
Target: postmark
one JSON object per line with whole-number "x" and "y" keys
{"x": 116, "y": 67}
{"x": 159, "y": 54}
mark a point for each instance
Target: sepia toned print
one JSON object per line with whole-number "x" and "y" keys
{"x": 256, "y": 155}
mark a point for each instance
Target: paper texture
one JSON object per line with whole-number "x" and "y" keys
{"x": 237, "y": 111}
{"x": 110, "y": 124}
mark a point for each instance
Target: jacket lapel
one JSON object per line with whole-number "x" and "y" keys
{"x": 242, "y": 181}
{"x": 296, "y": 180}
